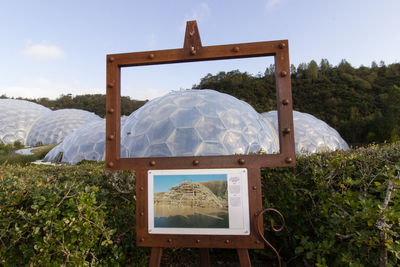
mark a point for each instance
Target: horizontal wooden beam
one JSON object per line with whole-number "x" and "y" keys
{"x": 217, "y": 52}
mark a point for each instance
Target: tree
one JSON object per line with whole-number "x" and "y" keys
{"x": 363, "y": 103}
{"x": 312, "y": 70}
{"x": 345, "y": 66}
{"x": 292, "y": 69}
{"x": 324, "y": 66}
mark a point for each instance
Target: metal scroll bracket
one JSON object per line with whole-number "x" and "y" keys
{"x": 260, "y": 230}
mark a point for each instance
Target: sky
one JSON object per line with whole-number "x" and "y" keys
{"x": 163, "y": 183}
{"x": 49, "y": 48}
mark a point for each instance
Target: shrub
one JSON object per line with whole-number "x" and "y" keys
{"x": 57, "y": 215}
{"x": 334, "y": 205}
{"x": 335, "y": 209}
{"x": 18, "y": 145}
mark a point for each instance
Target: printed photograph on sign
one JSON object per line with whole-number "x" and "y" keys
{"x": 191, "y": 201}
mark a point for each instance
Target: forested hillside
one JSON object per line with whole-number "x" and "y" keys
{"x": 363, "y": 103}
{"x": 93, "y": 103}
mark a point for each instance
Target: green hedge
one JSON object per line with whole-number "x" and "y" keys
{"x": 334, "y": 207}
{"x": 82, "y": 215}
{"x": 77, "y": 215}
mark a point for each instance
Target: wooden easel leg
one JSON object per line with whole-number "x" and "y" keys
{"x": 155, "y": 257}
{"x": 204, "y": 257}
{"x": 244, "y": 258}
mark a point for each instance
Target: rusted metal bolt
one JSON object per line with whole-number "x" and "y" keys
{"x": 285, "y": 102}
{"x": 141, "y": 188}
{"x": 241, "y": 161}
{"x": 169, "y": 240}
{"x": 151, "y": 56}
{"x": 198, "y": 241}
{"x": 142, "y": 213}
{"x": 193, "y": 51}
{"x": 111, "y": 111}
{"x": 286, "y": 130}
{"x": 282, "y": 45}
{"x": 110, "y": 85}
{"x": 153, "y": 163}
{"x": 283, "y": 73}
{"x": 111, "y": 59}
{"x": 236, "y": 49}
{"x": 110, "y": 164}
{"x": 196, "y": 162}
{"x": 254, "y": 187}
{"x": 111, "y": 137}
{"x": 288, "y": 160}
{"x": 227, "y": 241}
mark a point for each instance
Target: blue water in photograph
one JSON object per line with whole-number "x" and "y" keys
{"x": 196, "y": 220}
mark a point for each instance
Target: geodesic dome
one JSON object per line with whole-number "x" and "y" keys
{"x": 311, "y": 135}
{"x": 194, "y": 123}
{"x": 55, "y": 126}
{"x": 17, "y": 118}
{"x": 86, "y": 142}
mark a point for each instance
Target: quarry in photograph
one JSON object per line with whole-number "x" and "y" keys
{"x": 193, "y": 204}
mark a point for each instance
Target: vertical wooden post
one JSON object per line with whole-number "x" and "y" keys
{"x": 155, "y": 257}
{"x": 244, "y": 258}
{"x": 204, "y": 257}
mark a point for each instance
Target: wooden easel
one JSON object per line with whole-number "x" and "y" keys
{"x": 193, "y": 51}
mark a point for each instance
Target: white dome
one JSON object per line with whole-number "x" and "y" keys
{"x": 311, "y": 135}
{"x": 55, "y": 126}
{"x": 17, "y": 118}
{"x": 87, "y": 142}
{"x": 194, "y": 123}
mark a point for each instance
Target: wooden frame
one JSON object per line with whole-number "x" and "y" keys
{"x": 193, "y": 51}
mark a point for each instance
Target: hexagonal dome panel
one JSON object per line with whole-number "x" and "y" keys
{"x": 54, "y": 127}
{"x": 85, "y": 143}
{"x": 311, "y": 135}
{"x": 17, "y": 118}
{"x": 194, "y": 123}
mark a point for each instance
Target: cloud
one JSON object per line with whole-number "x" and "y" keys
{"x": 43, "y": 51}
{"x": 201, "y": 13}
{"x": 272, "y": 3}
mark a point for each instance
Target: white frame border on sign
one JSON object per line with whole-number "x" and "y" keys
{"x": 239, "y": 217}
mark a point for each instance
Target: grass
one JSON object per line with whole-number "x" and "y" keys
{"x": 7, "y": 154}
